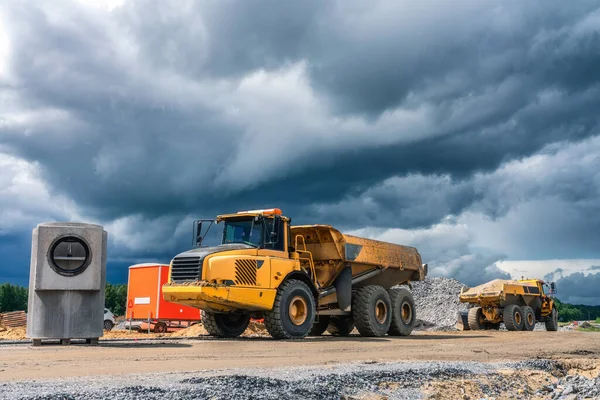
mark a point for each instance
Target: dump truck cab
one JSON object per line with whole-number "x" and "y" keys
{"x": 293, "y": 277}
{"x": 252, "y": 255}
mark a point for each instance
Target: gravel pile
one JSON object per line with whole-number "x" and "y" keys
{"x": 343, "y": 381}
{"x": 367, "y": 380}
{"x": 572, "y": 387}
{"x": 437, "y": 304}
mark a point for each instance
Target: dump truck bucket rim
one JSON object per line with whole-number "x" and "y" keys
{"x": 298, "y": 310}
{"x": 381, "y": 311}
{"x": 406, "y": 313}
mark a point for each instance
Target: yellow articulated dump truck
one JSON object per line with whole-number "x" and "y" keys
{"x": 301, "y": 279}
{"x": 519, "y": 304}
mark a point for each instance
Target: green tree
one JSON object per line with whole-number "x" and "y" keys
{"x": 116, "y": 298}
{"x": 12, "y": 298}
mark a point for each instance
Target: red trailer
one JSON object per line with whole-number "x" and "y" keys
{"x": 146, "y": 308}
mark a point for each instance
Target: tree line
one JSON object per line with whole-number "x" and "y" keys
{"x": 14, "y": 298}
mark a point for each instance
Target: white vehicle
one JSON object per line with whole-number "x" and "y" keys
{"x": 109, "y": 320}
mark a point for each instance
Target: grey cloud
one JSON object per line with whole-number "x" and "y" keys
{"x": 579, "y": 288}
{"x": 594, "y": 268}
{"x": 549, "y": 277}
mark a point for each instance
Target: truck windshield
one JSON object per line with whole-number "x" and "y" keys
{"x": 243, "y": 231}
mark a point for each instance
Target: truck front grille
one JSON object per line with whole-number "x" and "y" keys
{"x": 186, "y": 269}
{"x": 245, "y": 272}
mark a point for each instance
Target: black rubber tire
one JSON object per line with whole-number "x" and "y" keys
{"x": 513, "y": 317}
{"x": 364, "y": 304}
{"x": 476, "y": 319}
{"x": 160, "y": 327}
{"x": 340, "y": 326}
{"x": 527, "y": 313}
{"x": 225, "y": 325}
{"x": 552, "y": 321}
{"x": 278, "y": 321}
{"x": 320, "y": 326}
{"x": 402, "y": 299}
{"x": 108, "y": 325}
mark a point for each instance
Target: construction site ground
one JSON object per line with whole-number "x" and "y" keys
{"x": 444, "y": 365}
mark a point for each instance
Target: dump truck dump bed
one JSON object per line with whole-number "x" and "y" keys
{"x": 332, "y": 251}
{"x": 498, "y": 291}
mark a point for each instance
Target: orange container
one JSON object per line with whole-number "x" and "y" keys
{"x": 145, "y": 300}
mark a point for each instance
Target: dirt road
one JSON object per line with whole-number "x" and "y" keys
{"x": 24, "y": 362}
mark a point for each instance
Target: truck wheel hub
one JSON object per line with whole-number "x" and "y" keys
{"x": 298, "y": 310}
{"x": 380, "y": 311}
{"x": 518, "y": 318}
{"x": 406, "y": 313}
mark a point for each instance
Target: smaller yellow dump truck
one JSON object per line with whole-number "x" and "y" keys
{"x": 517, "y": 303}
{"x": 303, "y": 280}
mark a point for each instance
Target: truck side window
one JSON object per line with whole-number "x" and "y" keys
{"x": 279, "y": 244}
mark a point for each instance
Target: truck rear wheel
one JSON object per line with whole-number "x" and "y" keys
{"x": 528, "y": 319}
{"x": 319, "y": 326}
{"x": 340, "y": 326}
{"x": 371, "y": 310}
{"x": 552, "y": 321}
{"x": 225, "y": 325}
{"x": 476, "y": 319}
{"x": 513, "y": 317}
{"x": 403, "y": 312}
{"x": 293, "y": 312}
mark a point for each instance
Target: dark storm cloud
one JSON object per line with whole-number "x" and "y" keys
{"x": 135, "y": 148}
{"x": 579, "y": 288}
{"x": 380, "y": 114}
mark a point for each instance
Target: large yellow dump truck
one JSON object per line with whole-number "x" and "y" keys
{"x": 517, "y": 303}
{"x": 301, "y": 279}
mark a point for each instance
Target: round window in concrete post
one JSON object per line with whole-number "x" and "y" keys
{"x": 69, "y": 255}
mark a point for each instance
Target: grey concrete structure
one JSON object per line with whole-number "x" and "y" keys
{"x": 67, "y": 282}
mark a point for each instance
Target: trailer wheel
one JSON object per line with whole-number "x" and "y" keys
{"x": 404, "y": 314}
{"x": 225, "y": 325}
{"x": 476, "y": 319}
{"x": 340, "y": 326}
{"x": 160, "y": 327}
{"x": 513, "y": 317}
{"x": 293, "y": 312}
{"x": 320, "y": 326}
{"x": 552, "y": 321}
{"x": 371, "y": 310}
{"x": 528, "y": 319}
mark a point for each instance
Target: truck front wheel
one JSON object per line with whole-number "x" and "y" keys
{"x": 225, "y": 325}
{"x": 293, "y": 312}
{"x": 513, "y": 317}
{"x": 403, "y": 312}
{"x": 371, "y": 310}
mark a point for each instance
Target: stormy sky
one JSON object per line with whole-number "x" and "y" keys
{"x": 468, "y": 129}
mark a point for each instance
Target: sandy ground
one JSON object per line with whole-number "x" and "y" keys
{"x": 25, "y": 362}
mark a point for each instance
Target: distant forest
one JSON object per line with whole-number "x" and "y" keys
{"x": 14, "y": 298}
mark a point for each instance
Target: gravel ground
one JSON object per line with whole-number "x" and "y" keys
{"x": 366, "y": 380}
